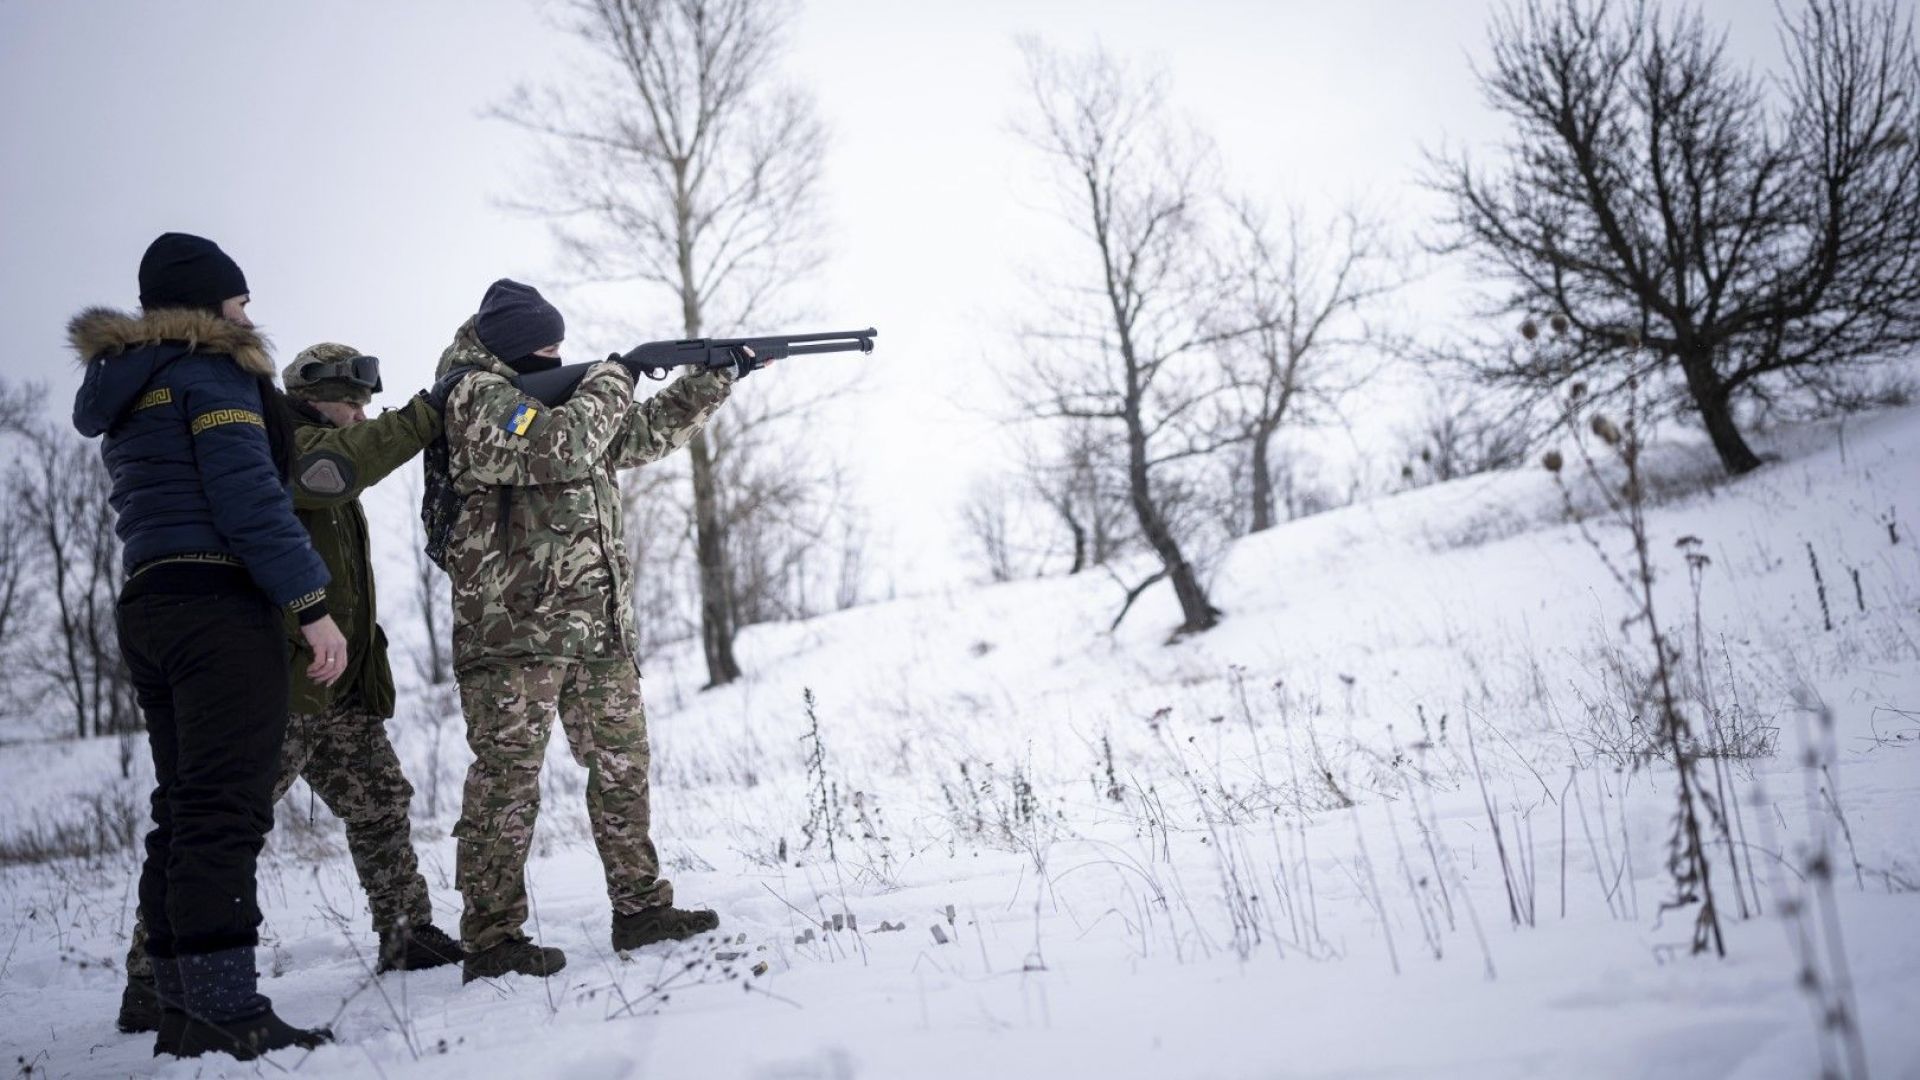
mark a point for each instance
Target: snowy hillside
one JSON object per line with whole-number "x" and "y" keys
{"x": 1020, "y": 846}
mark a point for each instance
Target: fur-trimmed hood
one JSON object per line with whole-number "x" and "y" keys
{"x": 124, "y": 353}
{"x": 99, "y": 331}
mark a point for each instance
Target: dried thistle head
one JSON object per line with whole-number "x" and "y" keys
{"x": 1559, "y": 323}
{"x": 1604, "y": 428}
{"x": 1529, "y": 329}
{"x": 1552, "y": 461}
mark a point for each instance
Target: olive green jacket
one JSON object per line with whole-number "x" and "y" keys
{"x": 332, "y": 466}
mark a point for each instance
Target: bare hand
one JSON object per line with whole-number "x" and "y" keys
{"x": 329, "y": 650}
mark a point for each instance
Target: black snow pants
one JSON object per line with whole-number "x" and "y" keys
{"x": 210, "y": 672}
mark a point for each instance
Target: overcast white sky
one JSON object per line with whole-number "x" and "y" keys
{"x": 338, "y": 151}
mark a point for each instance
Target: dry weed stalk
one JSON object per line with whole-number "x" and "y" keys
{"x": 1697, "y": 812}
{"x": 1811, "y": 913}
{"x": 825, "y": 812}
{"x": 1520, "y": 906}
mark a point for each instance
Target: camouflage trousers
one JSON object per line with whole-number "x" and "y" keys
{"x": 510, "y": 710}
{"x": 344, "y": 756}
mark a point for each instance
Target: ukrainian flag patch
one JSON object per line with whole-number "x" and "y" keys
{"x": 522, "y": 418}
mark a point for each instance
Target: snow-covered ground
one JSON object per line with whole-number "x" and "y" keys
{"x": 1265, "y": 851}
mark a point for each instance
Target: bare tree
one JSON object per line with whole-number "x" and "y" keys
{"x": 433, "y": 606}
{"x": 1065, "y": 499}
{"x": 683, "y": 166}
{"x": 777, "y": 510}
{"x": 989, "y": 517}
{"x": 15, "y": 554}
{"x": 1299, "y": 483}
{"x": 1121, "y": 352}
{"x": 62, "y": 488}
{"x": 18, "y": 406}
{"x": 1654, "y": 194}
{"x": 850, "y": 577}
{"x": 786, "y": 556}
{"x": 1306, "y": 294}
{"x": 1460, "y": 433}
{"x": 1075, "y": 479}
{"x": 660, "y": 548}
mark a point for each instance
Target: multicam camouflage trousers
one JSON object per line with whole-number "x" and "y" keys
{"x": 510, "y": 710}
{"x": 344, "y": 756}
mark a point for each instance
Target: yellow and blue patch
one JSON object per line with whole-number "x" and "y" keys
{"x": 522, "y": 418}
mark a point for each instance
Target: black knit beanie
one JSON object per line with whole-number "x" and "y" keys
{"x": 515, "y": 320}
{"x": 182, "y": 270}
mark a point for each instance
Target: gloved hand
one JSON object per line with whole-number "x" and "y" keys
{"x": 744, "y": 361}
{"x": 634, "y": 369}
{"x": 437, "y": 394}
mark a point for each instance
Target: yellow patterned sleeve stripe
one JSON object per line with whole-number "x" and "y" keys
{"x": 148, "y": 400}
{"x": 307, "y": 601}
{"x": 218, "y": 417}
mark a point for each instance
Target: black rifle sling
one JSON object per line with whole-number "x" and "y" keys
{"x": 439, "y": 503}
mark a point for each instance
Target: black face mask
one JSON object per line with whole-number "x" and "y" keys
{"x": 530, "y": 363}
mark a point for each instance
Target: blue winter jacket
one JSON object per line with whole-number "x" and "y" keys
{"x": 177, "y": 395}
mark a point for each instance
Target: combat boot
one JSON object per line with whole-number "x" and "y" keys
{"x": 139, "y": 1006}
{"x": 665, "y": 923}
{"x": 417, "y": 948}
{"x": 515, "y": 956}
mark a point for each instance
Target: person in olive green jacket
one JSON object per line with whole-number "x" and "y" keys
{"x": 336, "y": 736}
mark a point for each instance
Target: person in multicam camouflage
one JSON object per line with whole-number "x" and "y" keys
{"x": 543, "y": 617}
{"x": 336, "y": 739}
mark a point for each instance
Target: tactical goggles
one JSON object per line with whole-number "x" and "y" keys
{"x": 363, "y": 371}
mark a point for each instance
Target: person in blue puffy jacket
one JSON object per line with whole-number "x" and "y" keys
{"x": 197, "y": 442}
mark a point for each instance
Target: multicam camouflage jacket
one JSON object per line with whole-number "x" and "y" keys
{"x": 538, "y": 555}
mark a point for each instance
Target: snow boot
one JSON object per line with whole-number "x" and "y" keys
{"x": 139, "y": 1006}
{"x": 170, "y": 998}
{"x": 226, "y": 1013}
{"x": 248, "y": 1038}
{"x": 417, "y": 948}
{"x": 653, "y": 924}
{"x": 515, "y": 956}
{"x": 173, "y": 1024}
